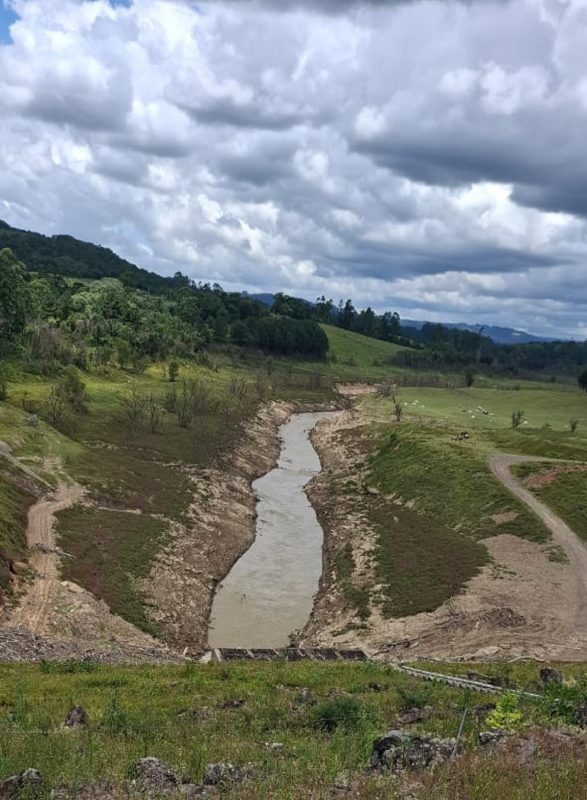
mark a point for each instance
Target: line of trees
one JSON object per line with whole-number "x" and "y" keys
{"x": 50, "y": 321}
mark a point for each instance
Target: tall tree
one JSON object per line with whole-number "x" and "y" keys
{"x": 15, "y": 297}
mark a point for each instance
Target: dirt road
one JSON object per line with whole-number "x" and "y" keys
{"x": 562, "y": 535}
{"x": 59, "y": 619}
{"x": 33, "y": 611}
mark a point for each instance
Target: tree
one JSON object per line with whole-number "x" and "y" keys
{"x": 173, "y": 371}
{"x": 517, "y": 418}
{"x": 133, "y": 408}
{"x": 154, "y": 412}
{"x": 3, "y": 382}
{"x": 57, "y": 408}
{"x": 582, "y": 380}
{"x": 469, "y": 378}
{"x": 73, "y": 389}
{"x": 15, "y": 297}
{"x": 397, "y": 409}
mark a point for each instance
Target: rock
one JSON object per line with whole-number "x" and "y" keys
{"x": 335, "y": 693}
{"x": 527, "y": 751}
{"x": 305, "y": 698}
{"x": 413, "y": 715}
{"x": 549, "y": 677}
{"x": 27, "y": 783}
{"x": 76, "y": 718}
{"x": 277, "y": 748}
{"x": 232, "y": 704}
{"x": 491, "y": 737}
{"x": 399, "y": 750}
{"x": 483, "y": 710}
{"x": 223, "y": 774}
{"x": 153, "y": 777}
{"x": 32, "y": 420}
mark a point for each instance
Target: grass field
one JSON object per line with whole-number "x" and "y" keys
{"x": 564, "y": 491}
{"x": 424, "y": 466}
{"x": 420, "y": 562}
{"x": 191, "y": 715}
{"x": 543, "y": 404}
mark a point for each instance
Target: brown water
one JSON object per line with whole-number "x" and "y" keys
{"x": 269, "y": 592}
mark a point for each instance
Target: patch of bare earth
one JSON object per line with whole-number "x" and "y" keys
{"x": 540, "y": 479}
{"x": 522, "y": 605}
{"x": 59, "y": 619}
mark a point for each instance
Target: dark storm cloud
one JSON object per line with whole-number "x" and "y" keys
{"x": 385, "y": 262}
{"x": 254, "y": 116}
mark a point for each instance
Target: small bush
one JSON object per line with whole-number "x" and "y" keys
{"x": 347, "y": 713}
{"x": 506, "y": 715}
{"x": 517, "y": 418}
{"x": 566, "y": 703}
{"x": 413, "y": 698}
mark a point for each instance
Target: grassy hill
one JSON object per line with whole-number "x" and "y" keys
{"x": 71, "y": 257}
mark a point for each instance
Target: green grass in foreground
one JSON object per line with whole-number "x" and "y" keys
{"x": 184, "y": 716}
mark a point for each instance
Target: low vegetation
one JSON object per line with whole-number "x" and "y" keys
{"x": 303, "y": 727}
{"x": 420, "y": 562}
{"x": 108, "y": 553}
{"x": 564, "y": 489}
{"x": 418, "y": 465}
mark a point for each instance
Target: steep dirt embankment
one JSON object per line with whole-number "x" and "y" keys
{"x": 523, "y": 604}
{"x": 221, "y": 528}
{"x": 58, "y": 619}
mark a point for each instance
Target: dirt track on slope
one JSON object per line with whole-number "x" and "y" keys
{"x": 59, "y": 619}
{"x": 562, "y": 535}
{"x": 33, "y": 612}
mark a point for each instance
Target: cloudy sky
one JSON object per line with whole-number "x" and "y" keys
{"x": 427, "y": 156}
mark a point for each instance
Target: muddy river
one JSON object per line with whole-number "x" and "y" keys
{"x": 269, "y": 592}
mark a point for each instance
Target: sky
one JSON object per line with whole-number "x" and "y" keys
{"x": 424, "y": 156}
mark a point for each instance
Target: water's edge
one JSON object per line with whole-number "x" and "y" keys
{"x": 269, "y": 591}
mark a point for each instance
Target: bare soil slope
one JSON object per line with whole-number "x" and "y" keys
{"x": 523, "y": 604}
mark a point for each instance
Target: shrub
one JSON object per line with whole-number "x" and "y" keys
{"x": 413, "y": 698}
{"x": 173, "y": 371}
{"x": 506, "y": 715}
{"x": 347, "y": 713}
{"x": 566, "y": 703}
{"x": 517, "y": 418}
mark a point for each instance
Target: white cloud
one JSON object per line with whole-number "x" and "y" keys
{"x": 426, "y": 156}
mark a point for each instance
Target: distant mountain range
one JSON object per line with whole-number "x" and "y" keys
{"x": 500, "y": 335}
